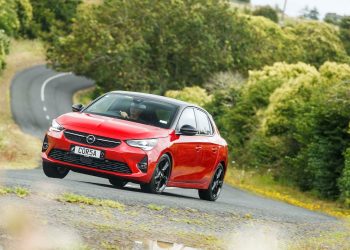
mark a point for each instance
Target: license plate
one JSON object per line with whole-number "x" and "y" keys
{"x": 87, "y": 152}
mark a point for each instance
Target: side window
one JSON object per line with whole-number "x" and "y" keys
{"x": 187, "y": 118}
{"x": 204, "y": 126}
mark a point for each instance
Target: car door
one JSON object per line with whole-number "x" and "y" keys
{"x": 209, "y": 147}
{"x": 187, "y": 151}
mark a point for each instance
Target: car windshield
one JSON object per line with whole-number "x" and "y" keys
{"x": 136, "y": 109}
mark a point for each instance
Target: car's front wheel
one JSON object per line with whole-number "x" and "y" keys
{"x": 214, "y": 190}
{"x": 118, "y": 183}
{"x": 160, "y": 176}
{"x": 54, "y": 171}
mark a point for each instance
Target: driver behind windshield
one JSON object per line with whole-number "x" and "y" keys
{"x": 136, "y": 109}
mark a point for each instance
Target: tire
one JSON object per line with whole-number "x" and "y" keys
{"x": 160, "y": 176}
{"x": 118, "y": 183}
{"x": 214, "y": 189}
{"x": 54, "y": 171}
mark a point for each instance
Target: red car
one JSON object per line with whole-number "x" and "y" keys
{"x": 134, "y": 137}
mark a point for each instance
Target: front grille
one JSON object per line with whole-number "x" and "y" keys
{"x": 102, "y": 164}
{"x": 99, "y": 140}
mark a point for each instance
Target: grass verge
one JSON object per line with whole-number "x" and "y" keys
{"x": 83, "y": 96}
{"x": 80, "y": 199}
{"x": 14, "y": 152}
{"x": 19, "y": 191}
{"x": 265, "y": 185}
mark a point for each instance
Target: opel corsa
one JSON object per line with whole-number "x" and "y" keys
{"x": 151, "y": 140}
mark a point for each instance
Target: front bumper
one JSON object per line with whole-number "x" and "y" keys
{"x": 121, "y": 161}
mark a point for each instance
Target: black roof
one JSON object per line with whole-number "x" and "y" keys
{"x": 156, "y": 97}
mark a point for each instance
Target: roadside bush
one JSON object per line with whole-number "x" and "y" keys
{"x": 52, "y": 18}
{"x": 195, "y": 95}
{"x": 223, "y": 81}
{"x": 8, "y": 17}
{"x": 25, "y": 15}
{"x": 243, "y": 118}
{"x": 268, "y": 12}
{"x": 344, "y": 182}
{"x": 4, "y": 48}
{"x": 257, "y": 42}
{"x": 310, "y": 116}
{"x": 319, "y": 42}
{"x": 140, "y": 45}
{"x": 345, "y": 32}
{"x": 15, "y": 16}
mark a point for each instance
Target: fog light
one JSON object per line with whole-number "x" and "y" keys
{"x": 143, "y": 165}
{"x": 45, "y": 144}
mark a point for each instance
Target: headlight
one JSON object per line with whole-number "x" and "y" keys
{"x": 147, "y": 144}
{"x": 55, "y": 126}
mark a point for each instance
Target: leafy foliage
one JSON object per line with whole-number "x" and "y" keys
{"x": 268, "y": 12}
{"x": 319, "y": 42}
{"x": 148, "y": 45}
{"x": 195, "y": 95}
{"x": 312, "y": 14}
{"x": 4, "y": 48}
{"x": 295, "y": 119}
{"x": 257, "y": 42}
{"x": 345, "y": 32}
{"x": 52, "y": 17}
{"x": 8, "y": 17}
{"x": 15, "y": 16}
{"x": 344, "y": 182}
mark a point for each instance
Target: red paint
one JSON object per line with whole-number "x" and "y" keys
{"x": 194, "y": 158}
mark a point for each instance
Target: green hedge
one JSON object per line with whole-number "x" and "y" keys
{"x": 294, "y": 120}
{"x": 4, "y": 48}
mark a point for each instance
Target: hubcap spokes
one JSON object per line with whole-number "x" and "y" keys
{"x": 161, "y": 177}
{"x": 217, "y": 182}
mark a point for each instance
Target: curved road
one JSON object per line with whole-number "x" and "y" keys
{"x": 39, "y": 94}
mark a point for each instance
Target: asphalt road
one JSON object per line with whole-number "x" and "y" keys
{"x": 39, "y": 94}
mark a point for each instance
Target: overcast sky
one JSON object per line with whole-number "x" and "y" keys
{"x": 294, "y": 7}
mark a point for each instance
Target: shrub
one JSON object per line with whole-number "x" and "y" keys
{"x": 257, "y": 42}
{"x": 345, "y": 32}
{"x": 25, "y": 15}
{"x": 319, "y": 41}
{"x": 268, "y": 12}
{"x": 4, "y": 48}
{"x": 310, "y": 115}
{"x": 195, "y": 95}
{"x": 143, "y": 46}
{"x": 8, "y": 17}
{"x": 243, "y": 118}
{"x": 52, "y": 18}
{"x": 344, "y": 182}
{"x": 15, "y": 16}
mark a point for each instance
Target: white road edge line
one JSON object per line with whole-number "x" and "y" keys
{"x": 42, "y": 91}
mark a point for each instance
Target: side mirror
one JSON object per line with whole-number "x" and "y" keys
{"x": 77, "y": 107}
{"x": 188, "y": 130}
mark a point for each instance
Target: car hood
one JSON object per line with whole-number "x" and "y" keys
{"x": 110, "y": 127}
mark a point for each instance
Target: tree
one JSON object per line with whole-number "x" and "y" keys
{"x": 257, "y": 41}
{"x": 195, "y": 95}
{"x": 49, "y": 16}
{"x": 147, "y": 45}
{"x": 333, "y": 18}
{"x": 268, "y": 12}
{"x": 311, "y": 14}
{"x": 4, "y": 48}
{"x": 345, "y": 32}
{"x": 320, "y": 42}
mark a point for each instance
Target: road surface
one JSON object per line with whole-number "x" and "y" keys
{"x": 40, "y": 94}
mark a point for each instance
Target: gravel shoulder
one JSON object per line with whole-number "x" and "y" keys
{"x": 46, "y": 220}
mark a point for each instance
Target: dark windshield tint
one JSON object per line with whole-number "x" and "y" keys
{"x": 136, "y": 109}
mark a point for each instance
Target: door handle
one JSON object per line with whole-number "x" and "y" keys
{"x": 198, "y": 148}
{"x": 214, "y": 149}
